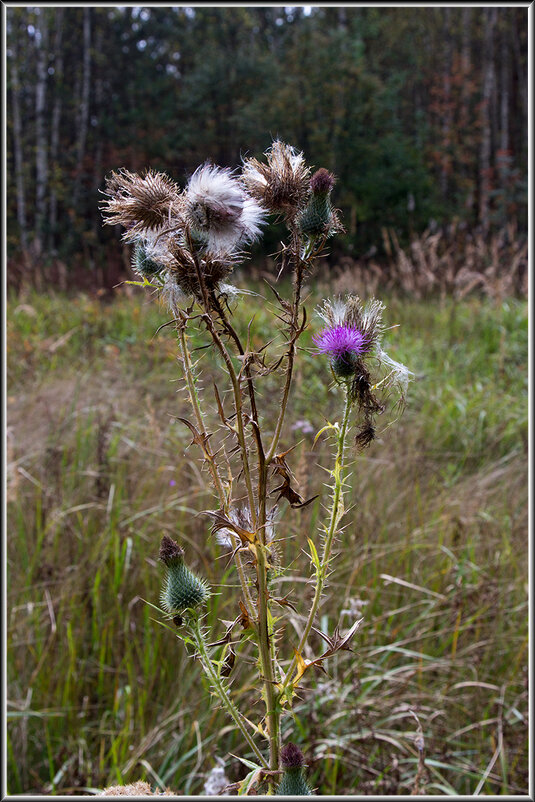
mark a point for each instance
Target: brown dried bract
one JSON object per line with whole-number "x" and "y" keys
{"x": 139, "y": 203}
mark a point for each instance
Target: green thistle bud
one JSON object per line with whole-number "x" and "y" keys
{"x": 318, "y": 217}
{"x": 344, "y": 365}
{"x": 293, "y": 782}
{"x": 182, "y": 589}
{"x": 143, "y": 264}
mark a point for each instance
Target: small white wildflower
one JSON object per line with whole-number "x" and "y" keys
{"x": 303, "y": 425}
{"x": 216, "y": 780}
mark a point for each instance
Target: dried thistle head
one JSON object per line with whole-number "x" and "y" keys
{"x": 281, "y": 185}
{"x": 137, "y": 789}
{"x": 141, "y": 203}
{"x": 220, "y": 214}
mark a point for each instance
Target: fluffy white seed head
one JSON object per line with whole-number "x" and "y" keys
{"x": 220, "y": 212}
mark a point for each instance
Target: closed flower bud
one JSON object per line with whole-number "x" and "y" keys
{"x": 293, "y": 782}
{"x": 182, "y": 589}
{"x": 319, "y": 218}
{"x": 143, "y": 263}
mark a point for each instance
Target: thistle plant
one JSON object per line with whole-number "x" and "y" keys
{"x": 186, "y": 244}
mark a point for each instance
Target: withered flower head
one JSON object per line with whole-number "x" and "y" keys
{"x": 282, "y": 184}
{"x": 220, "y": 213}
{"x": 140, "y": 204}
{"x": 364, "y": 436}
{"x": 240, "y": 519}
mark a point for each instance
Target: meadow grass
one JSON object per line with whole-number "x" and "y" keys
{"x": 434, "y": 556}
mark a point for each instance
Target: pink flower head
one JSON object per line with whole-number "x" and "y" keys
{"x": 344, "y": 344}
{"x": 337, "y": 341}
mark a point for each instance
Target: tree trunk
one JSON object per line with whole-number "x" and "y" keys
{"x": 17, "y": 145}
{"x": 84, "y": 106}
{"x": 504, "y": 88}
{"x": 55, "y": 126}
{"x": 465, "y": 111}
{"x": 486, "y": 141}
{"x": 447, "y": 117}
{"x": 41, "y": 149}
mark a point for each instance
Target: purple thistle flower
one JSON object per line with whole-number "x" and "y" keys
{"x": 344, "y": 344}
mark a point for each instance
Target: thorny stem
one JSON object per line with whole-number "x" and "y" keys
{"x": 268, "y": 656}
{"x": 250, "y": 383}
{"x": 207, "y": 317}
{"x": 210, "y": 458}
{"x": 266, "y": 650}
{"x": 322, "y": 573}
{"x": 222, "y": 692}
{"x": 298, "y": 282}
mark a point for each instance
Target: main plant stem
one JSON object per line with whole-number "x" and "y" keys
{"x": 222, "y": 692}
{"x": 267, "y": 660}
{"x": 209, "y": 456}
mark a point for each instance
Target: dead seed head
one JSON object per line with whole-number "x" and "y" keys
{"x": 364, "y": 436}
{"x": 140, "y": 204}
{"x": 219, "y": 212}
{"x": 281, "y": 185}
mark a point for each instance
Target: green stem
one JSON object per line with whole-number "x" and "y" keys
{"x": 322, "y": 573}
{"x": 194, "y": 627}
{"x": 267, "y": 659}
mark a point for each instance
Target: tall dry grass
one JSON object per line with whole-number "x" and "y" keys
{"x": 433, "y": 700}
{"x": 449, "y": 261}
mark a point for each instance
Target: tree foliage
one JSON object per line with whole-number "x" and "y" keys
{"x": 420, "y": 112}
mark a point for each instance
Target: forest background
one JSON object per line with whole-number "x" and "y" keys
{"x": 421, "y": 113}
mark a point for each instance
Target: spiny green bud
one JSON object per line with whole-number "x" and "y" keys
{"x": 345, "y": 365}
{"x": 318, "y": 217}
{"x": 293, "y": 782}
{"x": 182, "y": 589}
{"x": 142, "y": 262}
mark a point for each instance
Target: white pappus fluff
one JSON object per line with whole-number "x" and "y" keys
{"x": 220, "y": 211}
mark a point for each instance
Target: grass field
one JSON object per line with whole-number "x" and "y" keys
{"x": 434, "y": 556}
